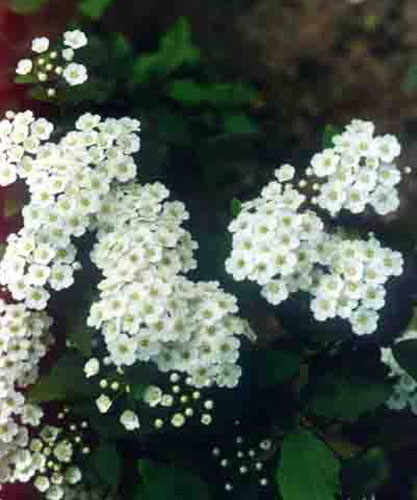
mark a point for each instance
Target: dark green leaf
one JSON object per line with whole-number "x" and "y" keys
{"x": 271, "y": 367}
{"x": 108, "y": 464}
{"x": 308, "y": 469}
{"x": 345, "y": 398}
{"x": 329, "y": 132}
{"x": 94, "y": 9}
{"x": 25, "y": 79}
{"x": 235, "y": 207}
{"x": 365, "y": 474}
{"x": 94, "y": 90}
{"x": 239, "y": 124}
{"x": 177, "y": 46}
{"x": 410, "y": 82}
{"x": 65, "y": 381}
{"x": 188, "y": 92}
{"x": 405, "y": 353}
{"x": 26, "y": 6}
{"x": 137, "y": 391}
{"x": 176, "y": 49}
{"x": 163, "y": 483}
{"x": 229, "y": 95}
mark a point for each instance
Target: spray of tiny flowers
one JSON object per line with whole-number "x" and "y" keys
{"x": 280, "y": 240}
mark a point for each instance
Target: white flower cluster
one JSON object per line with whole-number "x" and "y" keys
{"x": 48, "y": 463}
{"x": 405, "y": 389}
{"x": 147, "y": 310}
{"x": 67, "y": 182}
{"x": 24, "y": 340}
{"x": 284, "y": 248}
{"x": 359, "y": 170}
{"x": 50, "y": 65}
{"x": 184, "y": 402}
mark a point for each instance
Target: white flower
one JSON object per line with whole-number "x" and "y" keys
{"x": 68, "y": 54}
{"x": 129, "y": 420}
{"x": 42, "y": 483}
{"x": 92, "y": 367}
{"x": 75, "y": 39}
{"x": 104, "y": 403}
{"x": 285, "y": 173}
{"x": 75, "y": 74}
{"x": 364, "y": 321}
{"x": 178, "y": 420}
{"x": 73, "y": 475}
{"x": 24, "y": 67}
{"x": 152, "y": 395}
{"x": 55, "y": 492}
{"x": 40, "y": 44}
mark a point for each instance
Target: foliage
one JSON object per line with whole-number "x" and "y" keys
{"x": 159, "y": 482}
{"x": 303, "y": 453}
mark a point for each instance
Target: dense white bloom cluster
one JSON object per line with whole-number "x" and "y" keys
{"x": 284, "y": 247}
{"x": 405, "y": 389}
{"x": 47, "y": 461}
{"x": 50, "y": 65}
{"x": 24, "y": 340}
{"x": 359, "y": 170}
{"x": 147, "y": 310}
{"x": 67, "y": 182}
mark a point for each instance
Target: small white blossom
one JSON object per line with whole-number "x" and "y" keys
{"x": 40, "y": 44}
{"x": 129, "y": 420}
{"x": 24, "y": 67}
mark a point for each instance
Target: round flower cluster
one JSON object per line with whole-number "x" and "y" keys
{"x": 48, "y": 462}
{"x": 286, "y": 249}
{"x": 405, "y": 389}
{"x": 359, "y": 170}
{"x": 50, "y": 65}
{"x": 353, "y": 286}
{"x": 24, "y": 340}
{"x": 147, "y": 310}
{"x": 67, "y": 182}
{"x": 178, "y": 404}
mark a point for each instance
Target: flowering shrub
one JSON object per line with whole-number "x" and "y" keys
{"x": 157, "y": 365}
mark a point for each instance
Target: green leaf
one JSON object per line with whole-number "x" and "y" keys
{"x": 188, "y": 92}
{"x": 235, "y": 207}
{"x": 329, "y": 132}
{"x": 94, "y": 9}
{"x": 25, "y": 79}
{"x": 345, "y": 398}
{"x": 410, "y": 82}
{"x": 271, "y": 367}
{"x": 308, "y": 469}
{"x": 137, "y": 391}
{"x": 26, "y": 6}
{"x": 65, "y": 381}
{"x": 176, "y": 49}
{"x": 365, "y": 474}
{"x": 229, "y": 95}
{"x": 405, "y": 353}
{"x": 239, "y": 124}
{"x": 163, "y": 483}
{"x": 177, "y": 46}
{"x": 107, "y": 463}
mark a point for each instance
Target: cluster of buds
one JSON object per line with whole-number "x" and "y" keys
{"x": 48, "y": 66}
{"x": 52, "y": 455}
{"x": 244, "y": 458}
{"x": 181, "y": 402}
